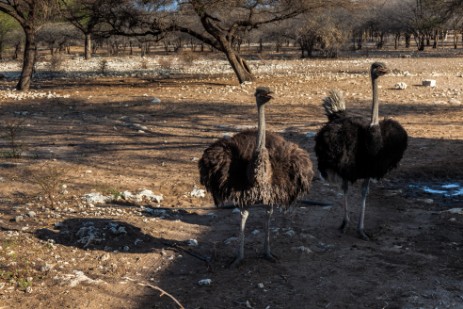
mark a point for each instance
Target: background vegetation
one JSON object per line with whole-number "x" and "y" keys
{"x": 237, "y": 30}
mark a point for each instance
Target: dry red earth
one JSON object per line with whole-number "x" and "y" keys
{"x": 108, "y": 137}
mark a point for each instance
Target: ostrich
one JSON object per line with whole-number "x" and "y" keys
{"x": 352, "y": 147}
{"x": 255, "y": 167}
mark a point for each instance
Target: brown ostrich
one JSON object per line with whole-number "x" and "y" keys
{"x": 255, "y": 167}
{"x": 352, "y": 147}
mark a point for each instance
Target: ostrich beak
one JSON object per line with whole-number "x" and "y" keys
{"x": 384, "y": 70}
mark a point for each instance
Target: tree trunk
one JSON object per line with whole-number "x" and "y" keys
{"x": 88, "y": 46}
{"x": 30, "y": 50}
{"x": 422, "y": 42}
{"x": 239, "y": 65}
{"x": 396, "y": 40}
{"x": 408, "y": 38}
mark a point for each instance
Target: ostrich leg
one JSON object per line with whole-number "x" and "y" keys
{"x": 346, "y": 220}
{"x": 360, "y": 228}
{"x": 240, "y": 256}
{"x": 267, "y": 253}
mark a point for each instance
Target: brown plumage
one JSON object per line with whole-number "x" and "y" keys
{"x": 255, "y": 167}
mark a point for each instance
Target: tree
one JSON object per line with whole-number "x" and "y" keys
{"x": 7, "y": 24}
{"x": 220, "y": 24}
{"x": 31, "y": 15}
{"x": 85, "y": 16}
{"x": 57, "y": 36}
{"x": 225, "y": 22}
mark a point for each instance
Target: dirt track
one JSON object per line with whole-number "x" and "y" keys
{"x": 106, "y": 135}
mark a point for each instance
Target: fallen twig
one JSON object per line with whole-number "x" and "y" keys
{"x": 207, "y": 260}
{"x": 155, "y": 287}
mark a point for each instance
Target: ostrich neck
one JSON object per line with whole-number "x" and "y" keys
{"x": 375, "y": 106}
{"x": 260, "y": 128}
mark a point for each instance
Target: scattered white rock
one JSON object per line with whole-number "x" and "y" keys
{"x": 149, "y": 195}
{"x": 290, "y": 233}
{"x": 400, "y": 86}
{"x": 139, "y": 127}
{"x": 155, "y": 100}
{"x": 236, "y": 211}
{"x": 89, "y": 234}
{"x": 230, "y": 240}
{"x": 200, "y": 193}
{"x": 310, "y": 134}
{"x": 75, "y": 279}
{"x": 96, "y": 198}
{"x": 105, "y": 257}
{"x": 31, "y": 214}
{"x": 426, "y": 200}
{"x": 260, "y": 285}
{"x": 429, "y": 83}
{"x": 116, "y": 229}
{"x": 192, "y": 243}
{"x": 141, "y": 196}
{"x": 302, "y": 249}
{"x": 457, "y": 211}
{"x": 204, "y": 282}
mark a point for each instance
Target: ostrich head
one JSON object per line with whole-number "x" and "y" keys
{"x": 378, "y": 69}
{"x": 263, "y": 95}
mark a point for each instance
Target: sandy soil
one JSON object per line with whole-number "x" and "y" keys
{"x": 109, "y": 135}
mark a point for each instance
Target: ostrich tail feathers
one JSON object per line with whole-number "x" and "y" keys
{"x": 334, "y": 105}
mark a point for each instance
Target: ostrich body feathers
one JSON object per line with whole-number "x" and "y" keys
{"x": 230, "y": 170}
{"x": 353, "y": 149}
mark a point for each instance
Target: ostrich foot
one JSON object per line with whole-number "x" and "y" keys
{"x": 343, "y": 227}
{"x": 363, "y": 235}
{"x": 238, "y": 261}
{"x": 269, "y": 256}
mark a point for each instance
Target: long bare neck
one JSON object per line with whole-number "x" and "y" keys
{"x": 260, "y": 128}
{"x": 375, "y": 105}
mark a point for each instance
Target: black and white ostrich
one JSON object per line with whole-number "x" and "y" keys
{"x": 255, "y": 167}
{"x": 352, "y": 147}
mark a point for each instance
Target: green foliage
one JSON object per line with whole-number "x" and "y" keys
{"x": 15, "y": 269}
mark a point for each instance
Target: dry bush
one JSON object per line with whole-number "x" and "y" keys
{"x": 10, "y": 130}
{"x": 187, "y": 57}
{"x": 50, "y": 178}
{"x": 165, "y": 62}
{"x": 144, "y": 63}
{"x": 56, "y": 63}
{"x": 103, "y": 66}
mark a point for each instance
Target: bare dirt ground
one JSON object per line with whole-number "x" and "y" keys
{"x": 106, "y": 135}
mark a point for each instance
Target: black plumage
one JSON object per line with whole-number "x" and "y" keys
{"x": 353, "y": 147}
{"x": 255, "y": 167}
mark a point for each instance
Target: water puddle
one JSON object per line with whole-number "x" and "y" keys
{"x": 447, "y": 189}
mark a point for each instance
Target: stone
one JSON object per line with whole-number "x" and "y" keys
{"x": 205, "y": 282}
{"x": 400, "y": 86}
{"x": 429, "y": 83}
